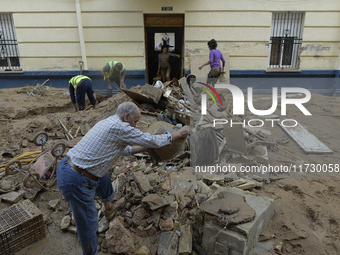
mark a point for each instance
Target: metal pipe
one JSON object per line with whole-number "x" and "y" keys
{"x": 81, "y": 35}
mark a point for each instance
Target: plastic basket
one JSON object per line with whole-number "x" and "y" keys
{"x": 20, "y": 225}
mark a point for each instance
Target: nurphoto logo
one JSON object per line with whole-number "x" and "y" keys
{"x": 238, "y": 104}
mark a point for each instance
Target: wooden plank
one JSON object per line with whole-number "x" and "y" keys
{"x": 306, "y": 141}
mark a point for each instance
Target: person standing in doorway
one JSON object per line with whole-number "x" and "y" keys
{"x": 164, "y": 67}
{"x": 215, "y": 58}
{"x": 114, "y": 71}
{"x": 79, "y": 86}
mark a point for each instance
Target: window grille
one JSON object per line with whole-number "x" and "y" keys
{"x": 285, "y": 40}
{"x": 9, "y": 52}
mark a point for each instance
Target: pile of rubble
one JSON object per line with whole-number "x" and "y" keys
{"x": 169, "y": 206}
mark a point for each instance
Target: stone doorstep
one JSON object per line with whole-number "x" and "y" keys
{"x": 242, "y": 237}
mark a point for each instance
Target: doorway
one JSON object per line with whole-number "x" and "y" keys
{"x": 167, "y": 28}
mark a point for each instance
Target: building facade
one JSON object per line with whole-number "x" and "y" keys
{"x": 48, "y": 39}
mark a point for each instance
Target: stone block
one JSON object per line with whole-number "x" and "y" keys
{"x": 167, "y": 243}
{"x": 185, "y": 240}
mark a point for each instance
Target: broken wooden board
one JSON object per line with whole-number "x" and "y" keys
{"x": 306, "y": 141}
{"x": 186, "y": 89}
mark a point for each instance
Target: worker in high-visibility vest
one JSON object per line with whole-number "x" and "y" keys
{"x": 78, "y": 86}
{"x": 114, "y": 71}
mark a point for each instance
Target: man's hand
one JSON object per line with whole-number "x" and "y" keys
{"x": 200, "y": 67}
{"x": 181, "y": 133}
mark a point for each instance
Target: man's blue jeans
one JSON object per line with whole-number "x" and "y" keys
{"x": 79, "y": 191}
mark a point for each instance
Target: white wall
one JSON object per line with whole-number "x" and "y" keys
{"x": 47, "y": 31}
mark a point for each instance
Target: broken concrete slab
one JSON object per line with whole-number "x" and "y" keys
{"x": 228, "y": 208}
{"x": 12, "y": 197}
{"x": 142, "y": 181}
{"x": 167, "y": 243}
{"x": 156, "y": 201}
{"x": 306, "y": 141}
{"x": 241, "y": 238}
{"x": 185, "y": 240}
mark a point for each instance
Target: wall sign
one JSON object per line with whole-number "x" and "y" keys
{"x": 167, "y": 8}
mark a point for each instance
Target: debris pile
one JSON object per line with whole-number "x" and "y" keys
{"x": 185, "y": 198}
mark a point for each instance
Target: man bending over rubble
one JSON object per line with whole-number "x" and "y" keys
{"x": 83, "y": 173}
{"x": 79, "y": 86}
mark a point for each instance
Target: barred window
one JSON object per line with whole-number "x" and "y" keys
{"x": 9, "y": 52}
{"x": 285, "y": 40}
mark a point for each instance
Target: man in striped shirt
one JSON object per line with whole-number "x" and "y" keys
{"x": 84, "y": 172}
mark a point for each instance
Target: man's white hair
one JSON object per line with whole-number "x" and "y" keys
{"x": 125, "y": 108}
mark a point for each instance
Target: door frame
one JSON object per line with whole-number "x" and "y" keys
{"x": 159, "y": 22}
